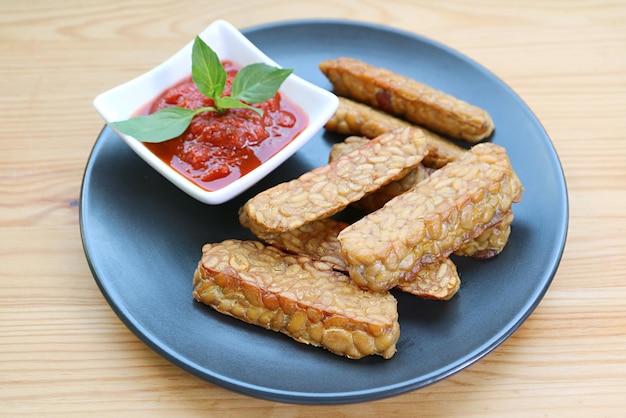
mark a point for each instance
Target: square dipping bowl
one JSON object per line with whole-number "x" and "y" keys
{"x": 124, "y": 101}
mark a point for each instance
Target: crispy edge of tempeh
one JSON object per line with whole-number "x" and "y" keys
{"x": 328, "y": 189}
{"x": 349, "y": 144}
{"x": 457, "y": 203}
{"x": 354, "y": 118}
{"x": 318, "y": 240}
{"x": 299, "y": 297}
{"x": 491, "y": 242}
{"x": 438, "y": 280}
{"x": 407, "y": 98}
{"x": 377, "y": 199}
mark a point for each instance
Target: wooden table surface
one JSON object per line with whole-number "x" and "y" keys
{"x": 64, "y": 352}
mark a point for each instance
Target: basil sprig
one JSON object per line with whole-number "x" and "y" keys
{"x": 254, "y": 83}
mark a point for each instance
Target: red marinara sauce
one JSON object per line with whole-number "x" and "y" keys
{"x": 218, "y": 148}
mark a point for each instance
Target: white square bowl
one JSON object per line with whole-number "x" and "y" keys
{"x": 123, "y": 101}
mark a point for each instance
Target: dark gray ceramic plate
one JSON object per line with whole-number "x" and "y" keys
{"x": 143, "y": 238}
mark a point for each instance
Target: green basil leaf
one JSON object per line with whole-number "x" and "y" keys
{"x": 160, "y": 126}
{"x": 253, "y": 84}
{"x": 207, "y": 71}
{"x": 256, "y": 83}
{"x": 228, "y": 102}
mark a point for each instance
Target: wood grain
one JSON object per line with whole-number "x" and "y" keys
{"x": 63, "y": 352}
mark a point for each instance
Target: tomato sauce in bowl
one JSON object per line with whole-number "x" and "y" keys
{"x": 219, "y": 148}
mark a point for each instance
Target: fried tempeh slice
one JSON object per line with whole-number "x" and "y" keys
{"x": 407, "y": 98}
{"x": 491, "y": 242}
{"x": 296, "y": 296}
{"x": 328, "y": 189}
{"x": 438, "y": 280}
{"x": 346, "y": 146}
{"x": 318, "y": 240}
{"x": 353, "y": 118}
{"x": 377, "y": 199}
{"x": 457, "y": 203}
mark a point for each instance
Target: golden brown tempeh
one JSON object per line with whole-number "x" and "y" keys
{"x": 353, "y": 118}
{"x": 346, "y": 146}
{"x": 326, "y": 190}
{"x": 438, "y": 280}
{"x": 376, "y": 200}
{"x": 404, "y": 97}
{"x": 455, "y": 204}
{"x": 318, "y": 240}
{"x": 491, "y": 242}
{"x": 296, "y": 296}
